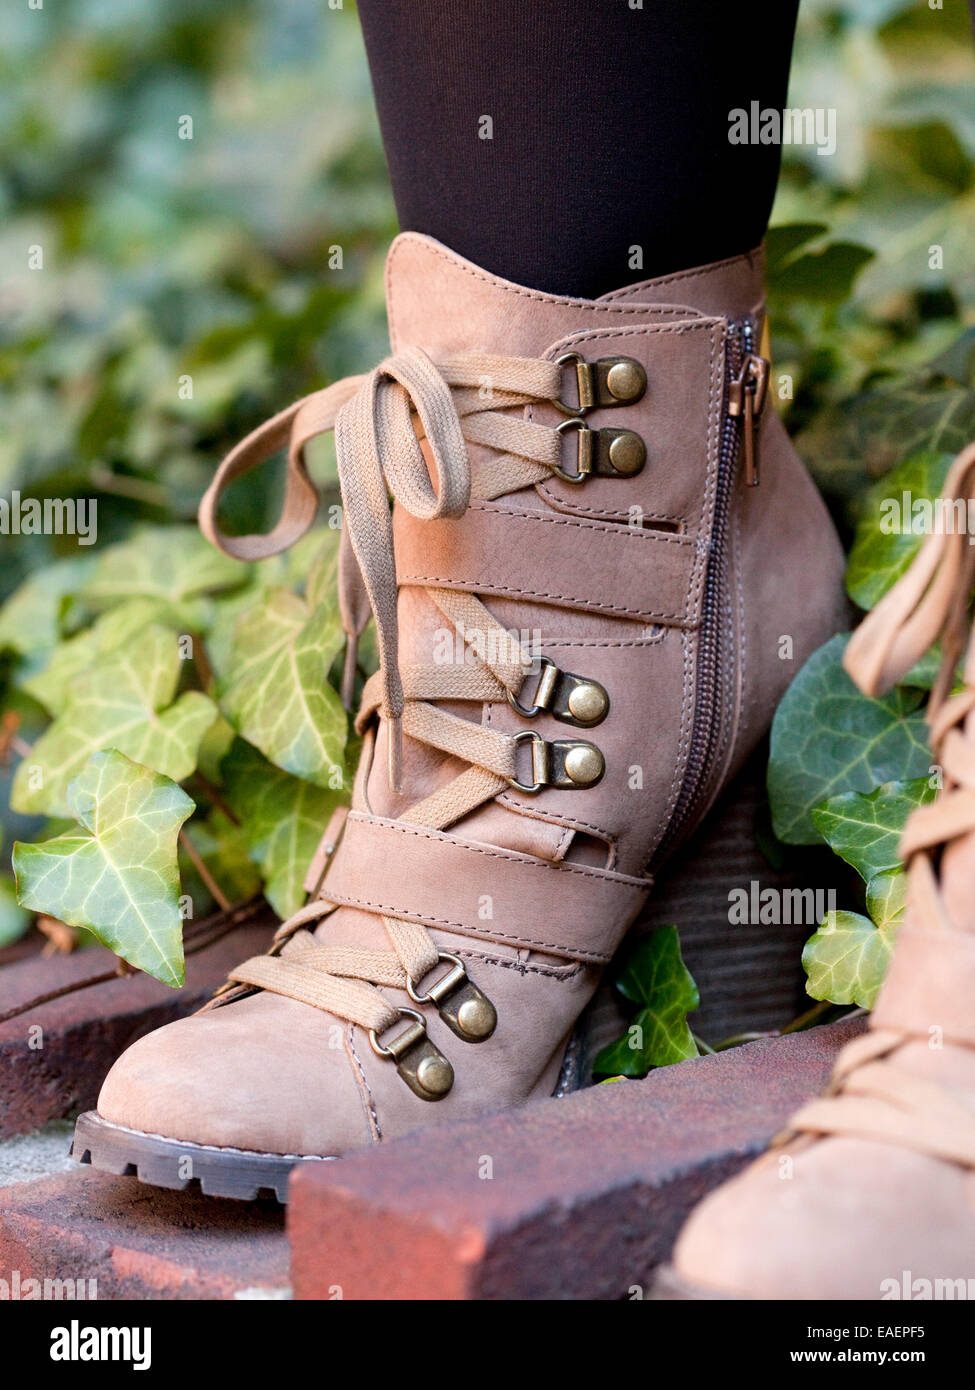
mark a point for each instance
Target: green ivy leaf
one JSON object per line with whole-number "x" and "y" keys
{"x": 30, "y": 620}
{"x": 887, "y": 901}
{"x": 14, "y": 919}
{"x": 782, "y": 243}
{"x": 282, "y": 819}
{"x": 825, "y": 276}
{"x": 124, "y": 702}
{"x": 883, "y": 425}
{"x": 278, "y": 696}
{"x": 323, "y": 573}
{"x": 828, "y": 737}
{"x": 52, "y": 685}
{"x": 880, "y": 554}
{"x": 847, "y": 958}
{"x": 657, "y": 979}
{"x": 116, "y": 873}
{"x": 165, "y": 562}
{"x": 865, "y": 828}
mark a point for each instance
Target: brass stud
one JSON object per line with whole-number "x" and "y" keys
{"x": 584, "y": 764}
{"x": 435, "y": 1074}
{"x": 464, "y": 1008}
{"x": 562, "y": 763}
{"x": 626, "y": 380}
{"x": 419, "y": 1062}
{"x": 588, "y": 703}
{"x": 627, "y": 453}
{"x": 477, "y": 1018}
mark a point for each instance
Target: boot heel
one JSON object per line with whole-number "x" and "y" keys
{"x": 749, "y": 973}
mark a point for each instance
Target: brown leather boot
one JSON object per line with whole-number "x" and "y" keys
{"x": 871, "y": 1193}
{"x": 588, "y": 482}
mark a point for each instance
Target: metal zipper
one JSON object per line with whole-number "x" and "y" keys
{"x": 746, "y": 377}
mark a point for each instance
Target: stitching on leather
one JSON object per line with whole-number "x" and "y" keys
{"x": 448, "y": 581}
{"x": 360, "y": 1075}
{"x": 590, "y": 305}
{"x": 561, "y": 975}
{"x": 621, "y": 532}
{"x": 581, "y": 524}
{"x": 597, "y": 875}
{"x": 548, "y": 489}
{"x": 612, "y": 642}
{"x": 511, "y": 799}
{"x": 214, "y": 1148}
{"x": 391, "y": 910}
{"x": 696, "y": 273}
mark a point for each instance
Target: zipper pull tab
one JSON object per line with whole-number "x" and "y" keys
{"x": 746, "y": 398}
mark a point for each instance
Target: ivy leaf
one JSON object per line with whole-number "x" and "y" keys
{"x": 824, "y": 276}
{"x": 14, "y": 919}
{"x": 52, "y": 685}
{"x": 323, "y": 573}
{"x": 282, "y": 819}
{"x": 278, "y": 696}
{"x": 30, "y": 620}
{"x": 886, "y": 541}
{"x": 887, "y": 900}
{"x": 847, "y": 958}
{"x": 657, "y": 979}
{"x": 883, "y": 425}
{"x": 166, "y": 562}
{"x": 124, "y": 703}
{"x": 116, "y": 873}
{"x": 828, "y": 737}
{"x": 865, "y": 828}
{"x": 782, "y": 243}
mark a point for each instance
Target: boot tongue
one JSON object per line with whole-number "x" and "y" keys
{"x": 445, "y": 304}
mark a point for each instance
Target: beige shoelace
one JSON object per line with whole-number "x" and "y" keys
{"x": 871, "y": 1094}
{"x": 381, "y": 421}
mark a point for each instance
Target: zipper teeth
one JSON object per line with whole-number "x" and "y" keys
{"x": 705, "y": 709}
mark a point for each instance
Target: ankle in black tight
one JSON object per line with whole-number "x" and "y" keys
{"x": 576, "y": 147}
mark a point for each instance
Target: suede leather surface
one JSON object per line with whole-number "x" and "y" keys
{"x": 607, "y": 579}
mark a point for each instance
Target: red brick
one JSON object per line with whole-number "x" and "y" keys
{"x": 140, "y": 1242}
{"x": 587, "y": 1193}
{"x": 86, "y": 1028}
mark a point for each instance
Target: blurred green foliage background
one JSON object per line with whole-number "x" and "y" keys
{"x": 167, "y": 258}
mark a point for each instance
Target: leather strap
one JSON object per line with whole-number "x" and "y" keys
{"x": 566, "y": 561}
{"x": 390, "y": 867}
{"x": 930, "y": 983}
{"x": 887, "y": 1103}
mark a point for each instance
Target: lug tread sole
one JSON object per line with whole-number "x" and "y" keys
{"x": 241, "y": 1174}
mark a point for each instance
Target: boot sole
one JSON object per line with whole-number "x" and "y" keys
{"x": 241, "y": 1174}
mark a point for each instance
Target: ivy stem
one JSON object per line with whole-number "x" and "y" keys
{"x": 704, "y": 1048}
{"x": 122, "y": 485}
{"x": 10, "y": 740}
{"x": 215, "y": 797}
{"x": 739, "y": 1039}
{"x": 217, "y": 892}
{"x": 203, "y": 668}
{"x": 808, "y": 1018}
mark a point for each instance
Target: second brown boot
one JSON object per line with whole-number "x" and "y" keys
{"x": 871, "y": 1193}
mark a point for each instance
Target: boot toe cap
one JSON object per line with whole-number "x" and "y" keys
{"x": 838, "y": 1219}
{"x": 263, "y": 1074}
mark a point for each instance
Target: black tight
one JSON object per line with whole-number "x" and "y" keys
{"x": 610, "y": 130}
